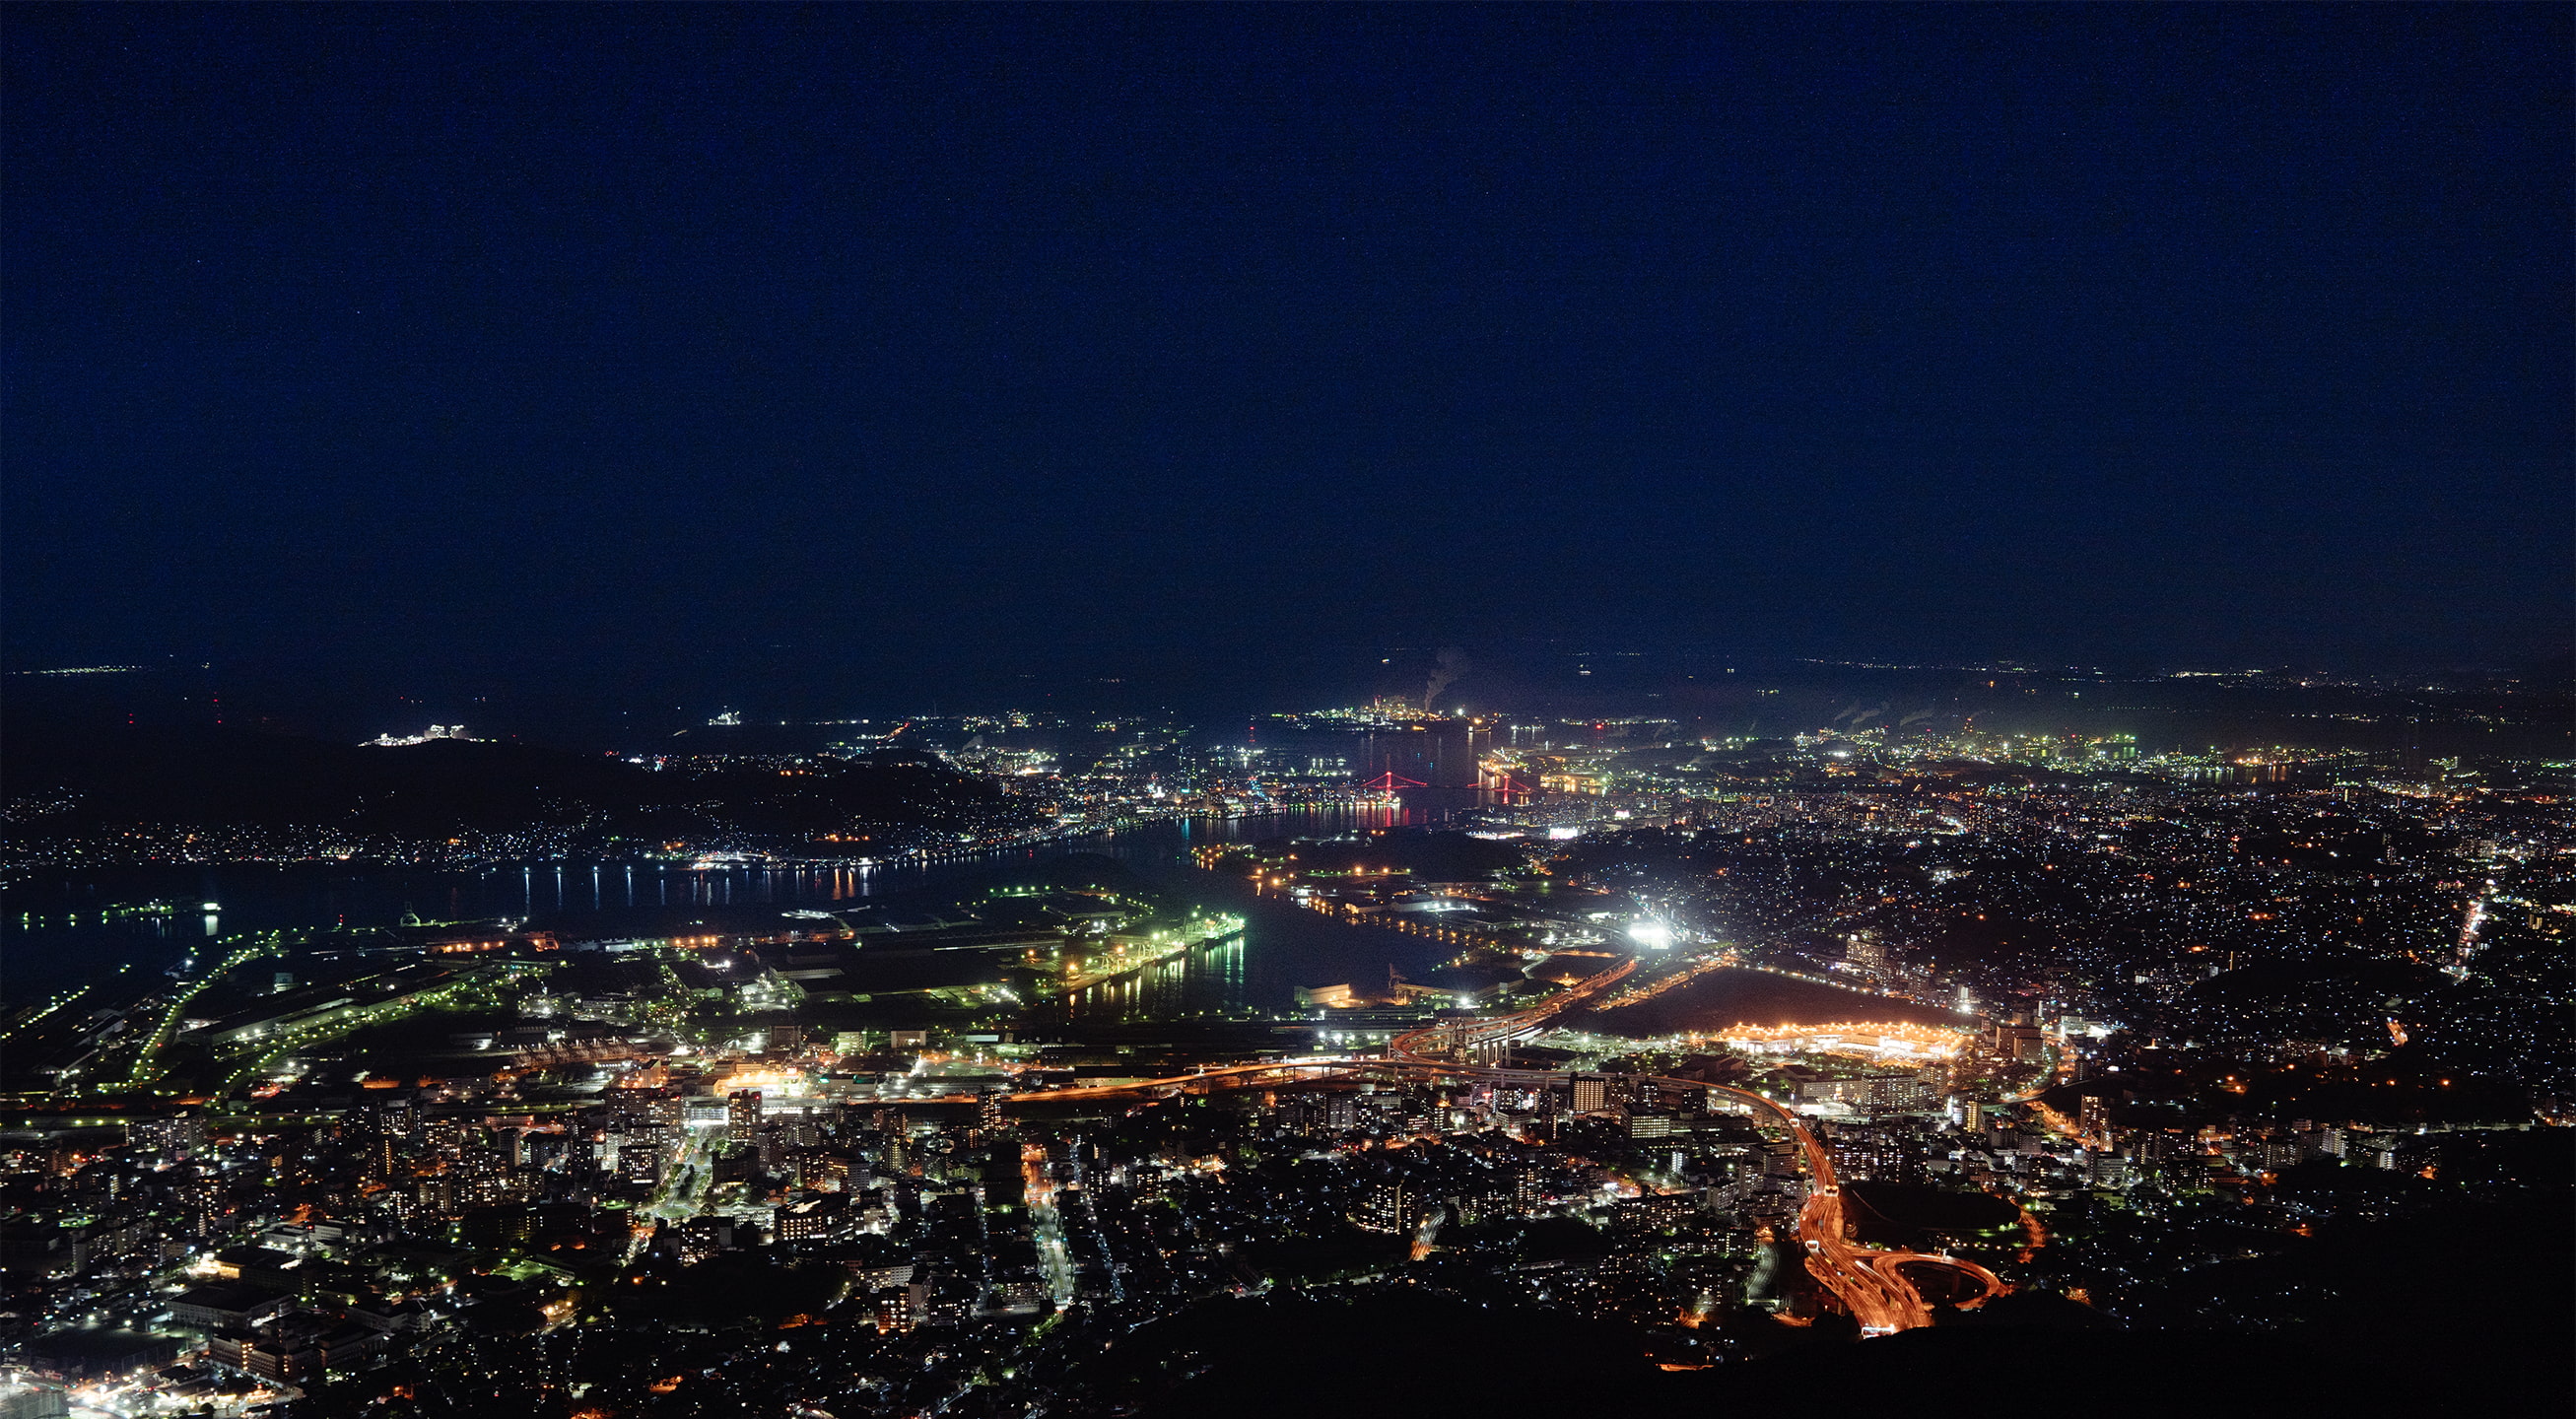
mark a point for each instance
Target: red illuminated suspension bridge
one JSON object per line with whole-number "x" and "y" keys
{"x": 1389, "y": 782}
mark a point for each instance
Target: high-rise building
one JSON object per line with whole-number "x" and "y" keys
{"x": 436, "y": 1195}
{"x": 1900, "y": 1092}
{"x": 1588, "y": 1093}
{"x": 742, "y": 1116}
{"x": 171, "y": 1138}
{"x": 445, "y": 1137}
{"x": 1341, "y": 1113}
{"x": 1779, "y": 1158}
{"x": 1391, "y": 1207}
{"x": 1866, "y": 954}
{"x": 2018, "y": 1041}
{"x": 816, "y": 1218}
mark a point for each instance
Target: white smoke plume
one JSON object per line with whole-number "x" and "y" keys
{"x": 1451, "y": 664}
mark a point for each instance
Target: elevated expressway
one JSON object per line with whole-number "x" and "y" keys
{"x": 1879, "y": 1288}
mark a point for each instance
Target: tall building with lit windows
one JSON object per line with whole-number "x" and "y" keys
{"x": 742, "y": 1116}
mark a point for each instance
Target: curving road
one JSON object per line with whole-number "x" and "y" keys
{"x": 1871, "y": 1283}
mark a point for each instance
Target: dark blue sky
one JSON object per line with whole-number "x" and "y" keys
{"x": 692, "y": 352}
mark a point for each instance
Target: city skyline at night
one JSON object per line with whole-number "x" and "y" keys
{"x": 1118, "y": 712}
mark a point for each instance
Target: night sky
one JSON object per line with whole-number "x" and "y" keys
{"x": 851, "y": 355}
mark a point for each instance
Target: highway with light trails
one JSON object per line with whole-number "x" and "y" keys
{"x": 1876, "y": 1286}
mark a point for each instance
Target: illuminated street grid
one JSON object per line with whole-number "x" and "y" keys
{"x": 2108, "y": 1033}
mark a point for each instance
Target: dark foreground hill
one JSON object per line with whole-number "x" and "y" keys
{"x": 1410, "y": 1352}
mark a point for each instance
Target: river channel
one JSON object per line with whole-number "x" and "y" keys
{"x": 58, "y": 928}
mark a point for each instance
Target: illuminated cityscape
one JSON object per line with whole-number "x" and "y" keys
{"x": 1736, "y": 1041}
{"x": 1076, "y": 712}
